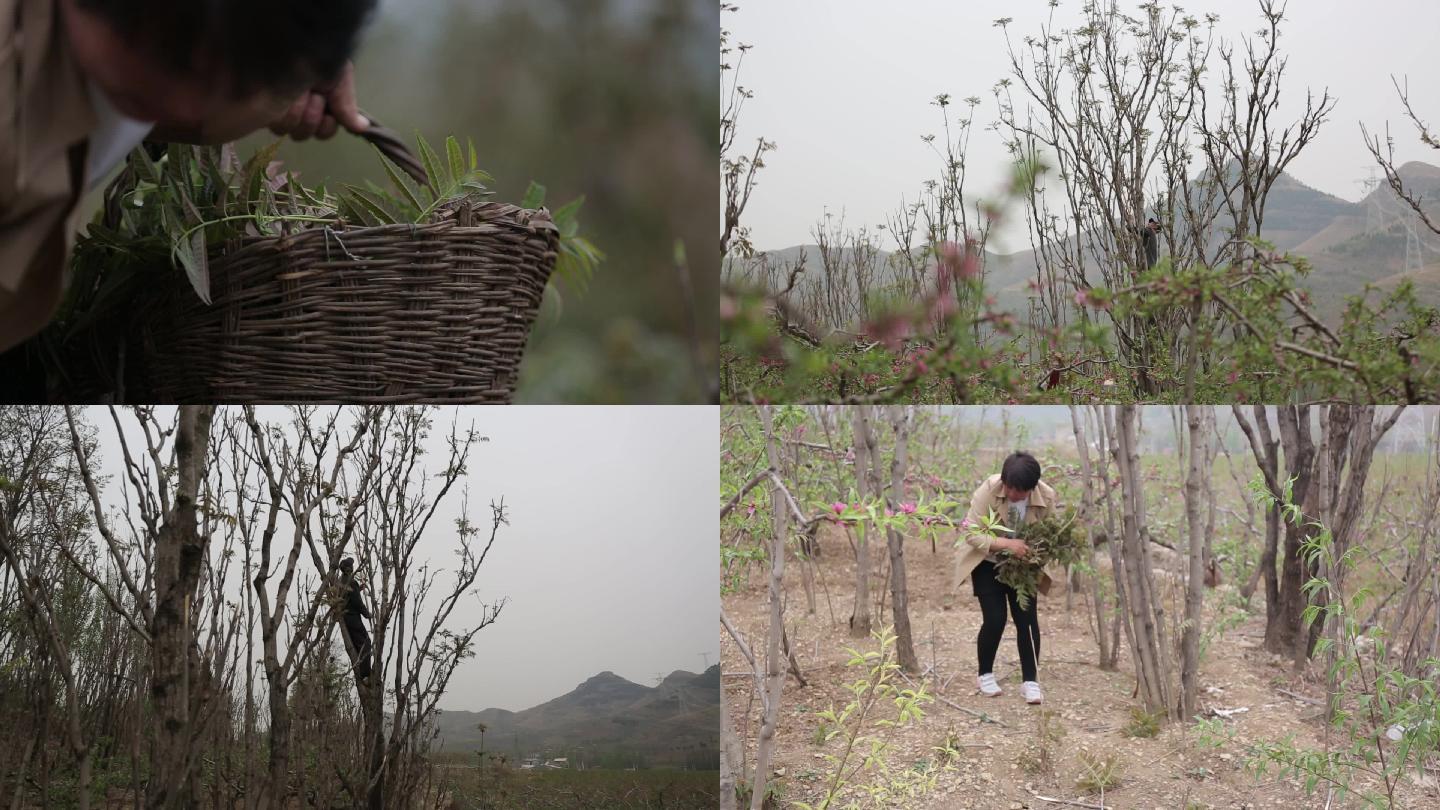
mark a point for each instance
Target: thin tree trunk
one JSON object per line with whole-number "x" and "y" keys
{"x": 1199, "y": 451}
{"x": 1298, "y": 445}
{"x": 1082, "y": 445}
{"x": 807, "y": 572}
{"x": 731, "y": 755}
{"x": 864, "y": 447}
{"x": 250, "y": 781}
{"x": 47, "y": 633}
{"x": 774, "y": 662}
{"x": 1294, "y": 432}
{"x": 900, "y": 607}
{"x": 180, "y": 552}
{"x": 1147, "y": 647}
{"x": 1105, "y": 418}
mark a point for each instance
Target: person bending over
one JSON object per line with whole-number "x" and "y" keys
{"x": 83, "y": 82}
{"x": 1015, "y": 496}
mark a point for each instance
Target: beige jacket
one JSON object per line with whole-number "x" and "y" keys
{"x": 990, "y": 497}
{"x": 45, "y": 120}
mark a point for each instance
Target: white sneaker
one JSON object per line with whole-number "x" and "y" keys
{"x": 1030, "y": 690}
{"x": 988, "y": 686}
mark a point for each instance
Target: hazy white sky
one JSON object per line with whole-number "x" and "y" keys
{"x": 610, "y": 560}
{"x": 844, "y": 88}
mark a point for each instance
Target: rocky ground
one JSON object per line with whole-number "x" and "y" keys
{"x": 996, "y": 767}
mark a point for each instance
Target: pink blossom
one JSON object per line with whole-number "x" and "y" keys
{"x": 888, "y": 513}
{"x": 751, "y": 511}
{"x": 965, "y": 524}
{"x": 838, "y": 507}
{"x": 944, "y": 306}
{"x": 907, "y": 508}
{"x": 729, "y": 308}
{"x": 891, "y": 330}
{"x": 958, "y": 262}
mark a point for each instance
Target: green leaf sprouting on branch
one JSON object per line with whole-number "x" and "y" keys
{"x": 193, "y": 200}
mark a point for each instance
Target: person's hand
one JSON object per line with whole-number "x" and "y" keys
{"x": 322, "y": 110}
{"x": 1016, "y": 547}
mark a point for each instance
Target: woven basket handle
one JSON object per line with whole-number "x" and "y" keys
{"x": 390, "y": 144}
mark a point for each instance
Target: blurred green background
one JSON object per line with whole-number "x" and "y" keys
{"x": 617, "y": 100}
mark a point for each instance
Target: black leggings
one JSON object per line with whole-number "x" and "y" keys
{"x": 993, "y": 596}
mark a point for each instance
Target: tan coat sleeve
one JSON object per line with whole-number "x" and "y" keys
{"x": 976, "y": 543}
{"x": 45, "y": 116}
{"x": 980, "y": 507}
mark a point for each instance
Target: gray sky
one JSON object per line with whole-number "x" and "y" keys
{"x": 844, "y": 88}
{"x": 609, "y": 561}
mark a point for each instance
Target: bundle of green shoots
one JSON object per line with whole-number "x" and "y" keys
{"x": 1054, "y": 539}
{"x": 164, "y": 214}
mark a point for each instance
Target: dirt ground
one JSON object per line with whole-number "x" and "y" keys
{"x": 1170, "y": 770}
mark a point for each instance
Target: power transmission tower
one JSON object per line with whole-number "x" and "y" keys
{"x": 1413, "y": 258}
{"x": 1374, "y": 216}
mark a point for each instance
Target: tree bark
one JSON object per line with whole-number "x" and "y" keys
{"x": 1082, "y": 446}
{"x": 731, "y": 755}
{"x": 774, "y": 661}
{"x": 1283, "y": 602}
{"x": 864, "y": 450}
{"x": 176, "y": 685}
{"x": 1105, "y": 417}
{"x": 1198, "y": 422}
{"x": 43, "y": 621}
{"x": 900, "y": 598}
{"x": 1147, "y": 647}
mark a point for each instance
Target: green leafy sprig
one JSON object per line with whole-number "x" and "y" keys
{"x": 1054, "y": 539}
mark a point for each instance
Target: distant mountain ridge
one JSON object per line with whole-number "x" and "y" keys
{"x": 674, "y": 723}
{"x": 1348, "y": 244}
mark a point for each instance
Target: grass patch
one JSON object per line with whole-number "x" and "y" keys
{"x": 1098, "y": 772}
{"x": 511, "y": 789}
{"x": 1143, "y": 724}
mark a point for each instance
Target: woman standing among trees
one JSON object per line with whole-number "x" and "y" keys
{"x": 1015, "y": 496}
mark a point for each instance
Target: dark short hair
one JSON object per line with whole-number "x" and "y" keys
{"x": 278, "y": 45}
{"x": 347, "y": 563}
{"x": 1020, "y": 471}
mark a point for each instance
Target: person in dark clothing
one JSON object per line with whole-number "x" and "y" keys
{"x": 354, "y": 623}
{"x": 1150, "y": 237}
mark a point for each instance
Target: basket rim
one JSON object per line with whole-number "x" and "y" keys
{"x": 486, "y": 217}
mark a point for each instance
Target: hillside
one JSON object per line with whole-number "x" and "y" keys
{"x": 1348, "y": 244}
{"x": 673, "y": 723}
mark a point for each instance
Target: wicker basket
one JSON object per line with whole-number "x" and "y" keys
{"x": 437, "y": 313}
